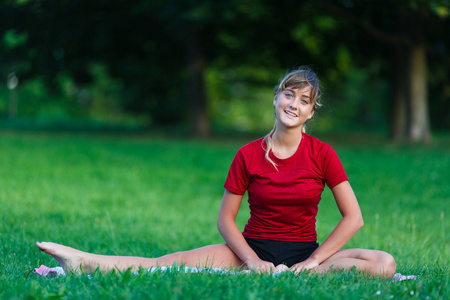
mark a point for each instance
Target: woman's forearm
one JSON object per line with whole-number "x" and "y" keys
{"x": 235, "y": 240}
{"x": 343, "y": 232}
{"x": 350, "y": 223}
{"x": 226, "y": 223}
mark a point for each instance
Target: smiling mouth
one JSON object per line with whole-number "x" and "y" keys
{"x": 290, "y": 113}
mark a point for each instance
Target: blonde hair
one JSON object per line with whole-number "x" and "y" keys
{"x": 298, "y": 79}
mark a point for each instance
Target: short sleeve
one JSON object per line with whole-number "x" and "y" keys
{"x": 237, "y": 180}
{"x": 333, "y": 170}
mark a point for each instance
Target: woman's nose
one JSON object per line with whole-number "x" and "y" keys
{"x": 294, "y": 103}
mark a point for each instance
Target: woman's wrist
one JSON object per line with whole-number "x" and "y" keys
{"x": 250, "y": 258}
{"x": 313, "y": 259}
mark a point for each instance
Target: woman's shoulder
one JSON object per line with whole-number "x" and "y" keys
{"x": 315, "y": 142}
{"x": 253, "y": 145}
{"x": 250, "y": 151}
{"x": 317, "y": 148}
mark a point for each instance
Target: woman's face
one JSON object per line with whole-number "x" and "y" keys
{"x": 293, "y": 107}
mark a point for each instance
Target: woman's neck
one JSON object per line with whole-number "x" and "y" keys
{"x": 286, "y": 142}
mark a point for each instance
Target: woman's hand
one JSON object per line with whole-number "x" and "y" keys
{"x": 308, "y": 264}
{"x": 260, "y": 266}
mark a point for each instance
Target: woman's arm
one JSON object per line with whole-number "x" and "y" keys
{"x": 226, "y": 223}
{"x": 351, "y": 222}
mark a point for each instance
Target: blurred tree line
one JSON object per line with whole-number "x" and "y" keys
{"x": 214, "y": 62}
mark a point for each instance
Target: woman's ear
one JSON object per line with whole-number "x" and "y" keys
{"x": 311, "y": 114}
{"x": 275, "y": 100}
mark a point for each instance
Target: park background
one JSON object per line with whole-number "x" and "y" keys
{"x": 118, "y": 113}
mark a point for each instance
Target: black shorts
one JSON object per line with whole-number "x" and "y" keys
{"x": 280, "y": 252}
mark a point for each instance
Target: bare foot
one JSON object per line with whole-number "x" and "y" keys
{"x": 69, "y": 258}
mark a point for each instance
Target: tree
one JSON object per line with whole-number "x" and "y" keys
{"x": 407, "y": 29}
{"x": 69, "y": 37}
{"x": 159, "y": 50}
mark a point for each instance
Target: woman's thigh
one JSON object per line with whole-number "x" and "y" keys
{"x": 215, "y": 256}
{"x": 356, "y": 253}
{"x": 372, "y": 261}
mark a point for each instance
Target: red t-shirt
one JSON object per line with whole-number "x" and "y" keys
{"x": 284, "y": 203}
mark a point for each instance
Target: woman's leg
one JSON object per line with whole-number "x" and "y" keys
{"x": 374, "y": 262}
{"x": 216, "y": 256}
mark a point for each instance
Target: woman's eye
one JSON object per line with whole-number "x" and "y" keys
{"x": 288, "y": 95}
{"x": 305, "y": 101}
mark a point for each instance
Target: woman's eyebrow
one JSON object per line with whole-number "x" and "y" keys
{"x": 293, "y": 91}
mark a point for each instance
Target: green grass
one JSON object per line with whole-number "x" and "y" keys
{"x": 148, "y": 196}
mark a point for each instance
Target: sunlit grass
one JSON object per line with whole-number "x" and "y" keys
{"x": 150, "y": 196}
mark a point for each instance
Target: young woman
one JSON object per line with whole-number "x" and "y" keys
{"x": 284, "y": 173}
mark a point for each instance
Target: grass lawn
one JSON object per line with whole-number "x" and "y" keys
{"x": 148, "y": 196}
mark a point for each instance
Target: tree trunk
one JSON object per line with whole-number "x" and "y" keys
{"x": 409, "y": 119}
{"x": 199, "y": 119}
{"x": 399, "y": 94}
{"x": 419, "y": 129}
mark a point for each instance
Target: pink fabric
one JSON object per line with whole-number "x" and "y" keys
{"x": 400, "y": 277}
{"x": 46, "y": 271}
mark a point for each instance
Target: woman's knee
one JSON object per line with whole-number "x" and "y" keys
{"x": 385, "y": 263}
